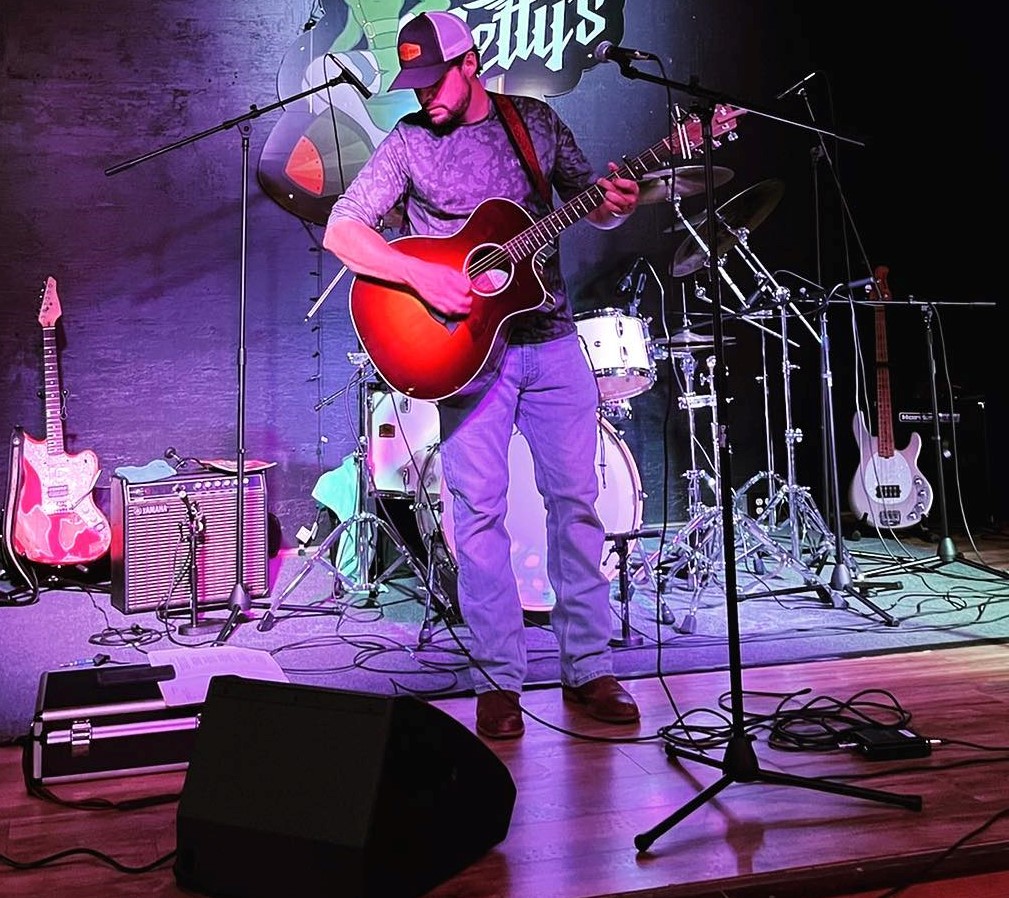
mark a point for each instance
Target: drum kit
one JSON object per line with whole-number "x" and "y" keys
{"x": 400, "y": 434}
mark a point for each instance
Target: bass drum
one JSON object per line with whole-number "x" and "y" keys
{"x": 619, "y": 505}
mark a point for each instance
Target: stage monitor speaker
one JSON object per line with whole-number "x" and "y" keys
{"x": 301, "y": 790}
{"x": 150, "y": 540}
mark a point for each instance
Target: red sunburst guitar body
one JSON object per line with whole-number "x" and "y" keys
{"x": 55, "y": 519}
{"x": 426, "y": 356}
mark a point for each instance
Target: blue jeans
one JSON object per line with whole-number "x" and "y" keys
{"x": 548, "y": 391}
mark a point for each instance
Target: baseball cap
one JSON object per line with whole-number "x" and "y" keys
{"x": 426, "y": 45}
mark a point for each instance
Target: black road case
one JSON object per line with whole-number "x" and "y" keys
{"x": 97, "y": 722}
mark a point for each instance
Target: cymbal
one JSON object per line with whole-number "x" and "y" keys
{"x": 689, "y": 338}
{"x": 689, "y": 181}
{"x": 746, "y": 210}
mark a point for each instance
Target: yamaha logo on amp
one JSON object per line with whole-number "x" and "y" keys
{"x": 151, "y": 540}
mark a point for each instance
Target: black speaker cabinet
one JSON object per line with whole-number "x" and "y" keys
{"x": 317, "y": 792}
{"x": 150, "y": 540}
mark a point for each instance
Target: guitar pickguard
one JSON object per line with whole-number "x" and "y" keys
{"x": 889, "y": 491}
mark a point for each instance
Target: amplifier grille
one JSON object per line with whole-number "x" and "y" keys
{"x": 150, "y": 541}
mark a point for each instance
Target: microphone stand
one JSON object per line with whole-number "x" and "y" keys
{"x": 239, "y": 601}
{"x": 739, "y": 763}
{"x": 196, "y": 525}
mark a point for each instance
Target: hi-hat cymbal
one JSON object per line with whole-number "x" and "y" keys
{"x": 746, "y": 210}
{"x": 689, "y": 181}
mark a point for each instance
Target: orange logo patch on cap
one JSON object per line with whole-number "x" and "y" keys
{"x": 409, "y": 52}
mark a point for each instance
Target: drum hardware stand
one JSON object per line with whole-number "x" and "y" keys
{"x": 739, "y": 763}
{"x": 363, "y": 525}
{"x": 804, "y": 517}
{"x": 946, "y": 551}
{"x": 437, "y": 553}
{"x": 764, "y": 380}
{"x": 802, "y": 514}
{"x": 698, "y": 543}
{"x": 805, "y": 522}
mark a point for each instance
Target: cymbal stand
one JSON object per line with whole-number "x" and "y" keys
{"x": 697, "y": 548}
{"x": 363, "y": 526}
{"x": 808, "y": 530}
{"x": 768, "y": 474}
{"x": 804, "y": 519}
{"x": 701, "y": 292}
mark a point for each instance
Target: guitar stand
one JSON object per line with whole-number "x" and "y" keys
{"x": 946, "y": 551}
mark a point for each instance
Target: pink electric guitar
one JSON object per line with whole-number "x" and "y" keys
{"x": 55, "y": 519}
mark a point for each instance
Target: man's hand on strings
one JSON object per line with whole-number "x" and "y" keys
{"x": 442, "y": 287}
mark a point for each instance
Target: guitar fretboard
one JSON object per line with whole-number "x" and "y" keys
{"x": 547, "y": 229}
{"x": 884, "y": 409}
{"x": 53, "y": 399}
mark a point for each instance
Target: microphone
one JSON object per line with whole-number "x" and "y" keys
{"x": 351, "y": 78}
{"x": 627, "y": 281}
{"x": 861, "y": 282}
{"x": 796, "y": 86}
{"x": 607, "y": 51}
{"x": 192, "y": 508}
{"x": 751, "y": 300}
{"x": 639, "y": 289}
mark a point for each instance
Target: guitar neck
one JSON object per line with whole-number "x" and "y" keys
{"x": 884, "y": 409}
{"x": 547, "y": 229}
{"x": 53, "y": 397}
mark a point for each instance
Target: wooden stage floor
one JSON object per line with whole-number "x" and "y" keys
{"x": 582, "y": 802}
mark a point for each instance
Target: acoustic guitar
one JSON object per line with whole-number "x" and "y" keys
{"x": 427, "y": 356}
{"x": 55, "y": 520}
{"x": 888, "y": 489}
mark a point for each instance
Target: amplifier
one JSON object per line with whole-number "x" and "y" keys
{"x": 150, "y": 540}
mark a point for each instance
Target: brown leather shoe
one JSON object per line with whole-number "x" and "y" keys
{"x": 604, "y": 699}
{"x": 499, "y": 715}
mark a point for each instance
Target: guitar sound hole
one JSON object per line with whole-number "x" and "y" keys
{"x": 490, "y": 269}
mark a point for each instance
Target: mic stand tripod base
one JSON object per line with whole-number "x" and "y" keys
{"x": 239, "y": 603}
{"x": 740, "y": 765}
{"x": 200, "y": 626}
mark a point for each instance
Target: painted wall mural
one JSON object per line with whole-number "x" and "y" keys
{"x": 533, "y": 47}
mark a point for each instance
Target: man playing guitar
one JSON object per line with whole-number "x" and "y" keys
{"x": 442, "y": 164}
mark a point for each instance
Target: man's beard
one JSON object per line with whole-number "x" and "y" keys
{"x": 455, "y": 114}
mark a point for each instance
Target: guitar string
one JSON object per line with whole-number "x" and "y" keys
{"x": 532, "y": 239}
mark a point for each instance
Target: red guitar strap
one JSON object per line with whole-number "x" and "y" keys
{"x": 520, "y": 139}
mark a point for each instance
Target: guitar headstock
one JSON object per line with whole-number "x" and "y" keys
{"x": 880, "y": 290}
{"x": 691, "y": 132}
{"x": 50, "y": 310}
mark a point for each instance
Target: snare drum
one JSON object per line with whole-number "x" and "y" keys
{"x": 401, "y": 430}
{"x": 619, "y": 505}
{"x": 618, "y": 348}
